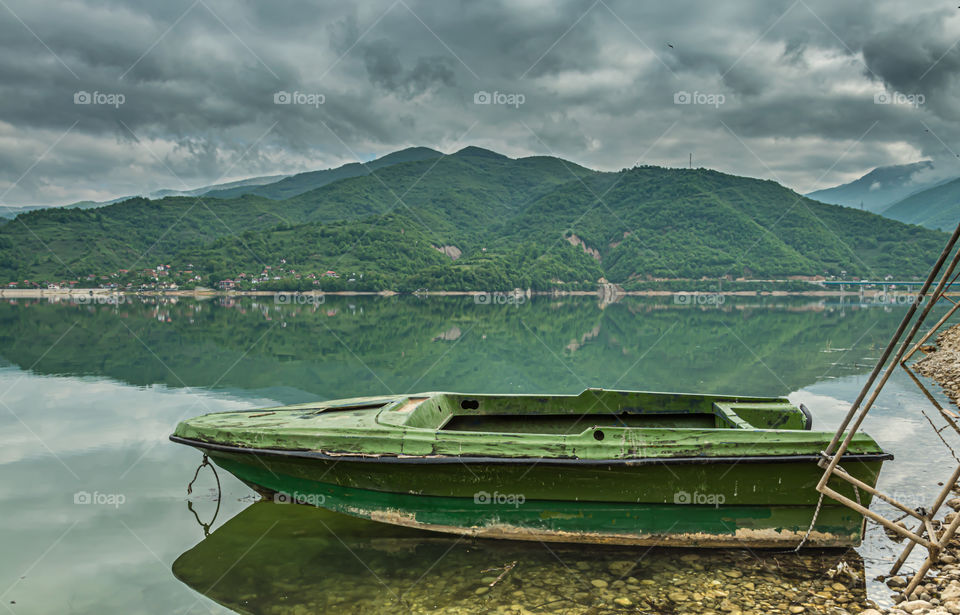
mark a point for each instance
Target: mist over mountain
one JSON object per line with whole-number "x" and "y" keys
{"x": 883, "y": 186}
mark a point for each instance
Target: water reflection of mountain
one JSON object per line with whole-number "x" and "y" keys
{"x": 286, "y": 559}
{"x": 362, "y": 345}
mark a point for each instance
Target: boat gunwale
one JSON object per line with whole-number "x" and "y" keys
{"x": 450, "y": 459}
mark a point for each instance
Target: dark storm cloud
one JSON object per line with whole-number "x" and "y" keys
{"x": 384, "y": 68}
{"x": 919, "y": 57}
{"x": 796, "y": 82}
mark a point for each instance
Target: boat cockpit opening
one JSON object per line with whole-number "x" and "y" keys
{"x": 597, "y": 408}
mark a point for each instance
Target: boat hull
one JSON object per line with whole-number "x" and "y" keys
{"x": 694, "y": 502}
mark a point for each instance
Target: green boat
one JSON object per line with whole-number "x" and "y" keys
{"x": 604, "y": 466}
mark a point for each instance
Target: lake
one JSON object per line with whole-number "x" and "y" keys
{"x": 97, "y": 518}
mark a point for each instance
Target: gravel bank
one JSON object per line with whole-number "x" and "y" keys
{"x": 942, "y": 363}
{"x": 940, "y": 593}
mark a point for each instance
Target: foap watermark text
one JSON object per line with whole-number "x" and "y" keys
{"x": 298, "y": 299}
{"x": 894, "y": 297}
{"x": 515, "y": 99}
{"x": 85, "y": 498}
{"x": 698, "y": 298}
{"x": 111, "y": 99}
{"x": 298, "y": 98}
{"x": 98, "y": 299}
{"x": 313, "y": 499}
{"x": 499, "y": 299}
{"x": 898, "y": 98}
{"x": 698, "y": 98}
{"x": 509, "y": 499}
{"x": 702, "y": 499}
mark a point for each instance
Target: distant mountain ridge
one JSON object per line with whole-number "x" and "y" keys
{"x": 9, "y": 212}
{"x": 304, "y": 182}
{"x": 270, "y": 186}
{"x": 248, "y": 183}
{"x": 881, "y": 187}
{"x": 937, "y": 207}
{"x": 251, "y": 182}
{"x": 242, "y": 184}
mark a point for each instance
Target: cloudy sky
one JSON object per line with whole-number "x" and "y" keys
{"x": 100, "y": 98}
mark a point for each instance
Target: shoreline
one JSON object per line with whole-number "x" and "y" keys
{"x": 939, "y": 592}
{"x": 40, "y": 293}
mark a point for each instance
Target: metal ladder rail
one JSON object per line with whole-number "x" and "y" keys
{"x": 860, "y": 412}
{"x": 857, "y": 413}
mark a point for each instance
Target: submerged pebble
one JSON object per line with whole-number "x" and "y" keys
{"x": 420, "y": 574}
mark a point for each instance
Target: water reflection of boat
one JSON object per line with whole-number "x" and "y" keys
{"x": 605, "y": 467}
{"x": 274, "y": 559}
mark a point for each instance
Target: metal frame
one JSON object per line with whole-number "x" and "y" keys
{"x": 926, "y": 534}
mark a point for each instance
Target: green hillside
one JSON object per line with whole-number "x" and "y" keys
{"x": 937, "y": 207}
{"x": 691, "y": 223}
{"x": 475, "y": 220}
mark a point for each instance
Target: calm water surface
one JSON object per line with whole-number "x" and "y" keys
{"x": 93, "y": 495}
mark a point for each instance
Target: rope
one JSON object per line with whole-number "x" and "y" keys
{"x": 205, "y": 526}
{"x": 205, "y": 462}
{"x": 816, "y": 513}
{"x": 813, "y": 522}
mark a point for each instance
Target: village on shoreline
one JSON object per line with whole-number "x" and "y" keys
{"x": 601, "y": 291}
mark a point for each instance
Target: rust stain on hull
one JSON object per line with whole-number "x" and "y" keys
{"x": 410, "y": 404}
{"x": 760, "y": 538}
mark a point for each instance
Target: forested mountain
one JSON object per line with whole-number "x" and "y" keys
{"x": 476, "y": 220}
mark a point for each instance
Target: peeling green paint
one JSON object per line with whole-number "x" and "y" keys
{"x": 602, "y": 466}
{"x": 404, "y": 427}
{"x": 551, "y": 512}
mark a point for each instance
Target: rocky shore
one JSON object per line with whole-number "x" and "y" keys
{"x": 942, "y": 363}
{"x": 939, "y": 594}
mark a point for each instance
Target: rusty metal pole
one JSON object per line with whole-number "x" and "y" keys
{"x": 893, "y": 341}
{"x": 936, "y": 506}
{"x": 860, "y": 413}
